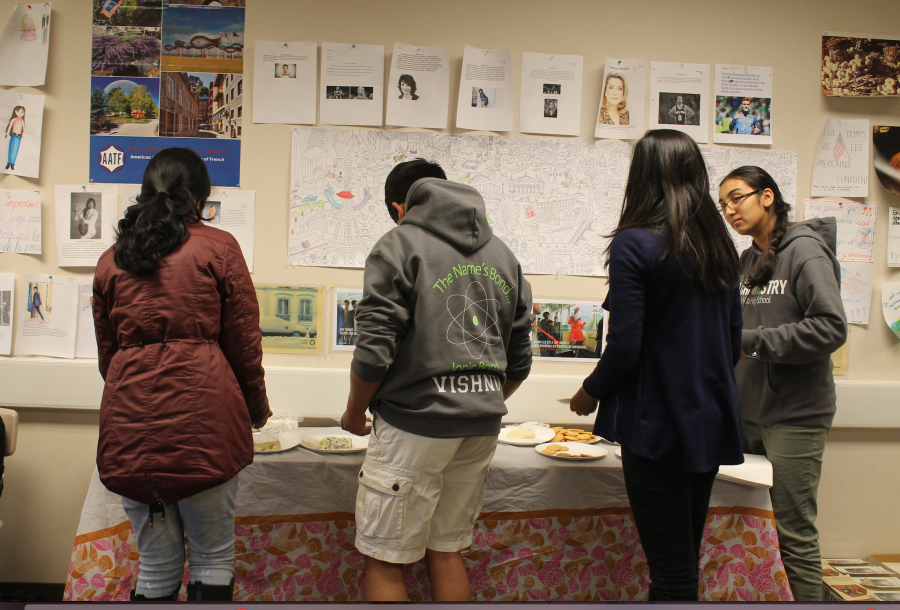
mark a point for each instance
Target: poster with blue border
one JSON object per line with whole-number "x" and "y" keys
{"x": 166, "y": 75}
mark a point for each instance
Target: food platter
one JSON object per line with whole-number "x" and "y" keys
{"x": 575, "y": 451}
{"x": 573, "y": 435}
{"x": 287, "y": 440}
{"x": 359, "y": 443}
{"x": 541, "y": 435}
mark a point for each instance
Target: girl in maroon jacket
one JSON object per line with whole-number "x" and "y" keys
{"x": 180, "y": 349}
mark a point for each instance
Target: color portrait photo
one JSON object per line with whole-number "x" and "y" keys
{"x": 750, "y": 116}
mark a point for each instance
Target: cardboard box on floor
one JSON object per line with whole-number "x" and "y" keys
{"x": 843, "y": 587}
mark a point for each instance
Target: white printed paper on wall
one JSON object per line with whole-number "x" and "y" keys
{"x": 21, "y": 149}
{"x": 20, "y": 222}
{"x": 418, "y": 90}
{"x": 284, "y": 82}
{"x": 856, "y": 291}
{"x": 842, "y": 160}
{"x": 234, "y": 212}
{"x": 7, "y": 303}
{"x": 551, "y": 200}
{"x": 550, "y": 101}
{"x": 85, "y": 339}
{"x": 24, "y": 44}
{"x": 48, "y": 316}
{"x": 780, "y": 164}
{"x": 890, "y": 305}
{"x": 855, "y": 226}
{"x": 743, "y": 105}
{"x": 679, "y": 98}
{"x": 351, "y": 90}
{"x": 85, "y": 218}
{"x": 621, "y": 113}
{"x": 893, "y": 250}
{"x": 486, "y": 90}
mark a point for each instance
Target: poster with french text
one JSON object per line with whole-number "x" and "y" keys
{"x": 856, "y": 291}
{"x": 842, "y": 160}
{"x": 893, "y": 249}
{"x": 855, "y": 226}
{"x": 679, "y": 98}
{"x": 86, "y": 217}
{"x": 420, "y": 75}
{"x": 550, "y": 99}
{"x": 743, "y": 113}
{"x": 621, "y": 113}
{"x": 20, "y": 222}
{"x": 485, "y": 90}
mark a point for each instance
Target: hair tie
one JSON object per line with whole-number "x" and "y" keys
{"x": 162, "y": 193}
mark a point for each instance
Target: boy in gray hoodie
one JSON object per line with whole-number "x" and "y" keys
{"x": 444, "y": 338}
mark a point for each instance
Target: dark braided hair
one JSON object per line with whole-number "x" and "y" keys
{"x": 759, "y": 179}
{"x": 175, "y": 183}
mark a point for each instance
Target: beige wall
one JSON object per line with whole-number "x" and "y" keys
{"x": 48, "y": 476}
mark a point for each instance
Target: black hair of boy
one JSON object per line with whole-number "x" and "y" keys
{"x": 402, "y": 177}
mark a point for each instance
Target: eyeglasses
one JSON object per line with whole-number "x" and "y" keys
{"x": 736, "y": 201}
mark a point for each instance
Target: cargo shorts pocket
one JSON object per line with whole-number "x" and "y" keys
{"x": 381, "y": 503}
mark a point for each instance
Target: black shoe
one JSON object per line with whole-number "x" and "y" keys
{"x": 13, "y": 167}
{"x": 198, "y": 592}
{"x": 173, "y": 597}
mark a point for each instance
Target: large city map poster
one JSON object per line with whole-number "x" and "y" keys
{"x": 551, "y": 200}
{"x": 165, "y": 75}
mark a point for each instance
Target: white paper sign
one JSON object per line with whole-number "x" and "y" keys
{"x": 85, "y": 339}
{"x": 233, "y": 212}
{"x": 550, "y": 101}
{"x": 842, "y": 160}
{"x": 418, "y": 91}
{"x": 856, "y": 291}
{"x": 20, "y": 222}
{"x": 21, "y": 149}
{"x": 890, "y": 305}
{"x": 893, "y": 249}
{"x": 7, "y": 303}
{"x": 485, "y": 90}
{"x": 48, "y": 314}
{"x": 679, "y": 98}
{"x": 24, "y": 44}
{"x": 743, "y": 112}
{"x": 284, "y": 82}
{"x": 85, "y": 218}
{"x": 621, "y": 113}
{"x": 855, "y": 226}
{"x": 351, "y": 90}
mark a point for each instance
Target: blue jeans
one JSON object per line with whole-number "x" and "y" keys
{"x": 206, "y": 520}
{"x": 14, "y": 141}
{"x": 669, "y": 505}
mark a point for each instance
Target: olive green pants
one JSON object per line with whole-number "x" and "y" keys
{"x": 796, "y": 456}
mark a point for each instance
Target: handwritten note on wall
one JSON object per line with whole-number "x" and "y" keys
{"x": 20, "y": 222}
{"x": 890, "y": 305}
{"x": 893, "y": 251}
{"x": 855, "y": 226}
{"x": 856, "y": 291}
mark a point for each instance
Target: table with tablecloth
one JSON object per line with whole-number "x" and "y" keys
{"x": 549, "y": 530}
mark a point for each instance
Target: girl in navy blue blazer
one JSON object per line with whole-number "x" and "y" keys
{"x": 665, "y": 384}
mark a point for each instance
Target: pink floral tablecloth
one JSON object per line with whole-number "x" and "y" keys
{"x": 558, "y": 555}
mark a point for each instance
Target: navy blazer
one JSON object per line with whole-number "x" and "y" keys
{"x": 666, "y": 380}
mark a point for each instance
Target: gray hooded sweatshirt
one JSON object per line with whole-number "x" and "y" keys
{"x": 791, "y": 327}
{"x": 445, "y": 317}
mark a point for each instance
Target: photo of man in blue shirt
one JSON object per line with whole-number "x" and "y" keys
{"x": 743, "y": 122}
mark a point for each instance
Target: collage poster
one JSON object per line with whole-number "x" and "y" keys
{"x": 346, "y": 303}
{"x": 290, "y": 318}
{"x": 567, "y": 330}
{"x": 162, "y": 77}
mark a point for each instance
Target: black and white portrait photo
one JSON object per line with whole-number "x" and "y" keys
{"x": 550, "y": 108}
{"x": 84, "y": 220}
{"x": 285, "y": 70}
{"x": 361, "y": 93}
{"x": 679, "y": 109}
{"x": 551, "y": 89}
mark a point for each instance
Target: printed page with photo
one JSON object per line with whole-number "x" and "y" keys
{"x": 679, "y": 98}
{"x": 743, "y": 111}
{"x": 284, "y": 82}
{"x": 621, "y": 112}
{"x": 7, "y": 308}
{"x": 420, "y": 75}
{"x": 485, "y": 90}
{"x": 48, "y": 316}
{"x": 86, "y": 217}
{"x": 550, "y": 99}
{"x": 351, "y": 84}
{"x": 85, "y": 339}
{"x": 234, "y": 212}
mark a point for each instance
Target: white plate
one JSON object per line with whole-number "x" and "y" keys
{"x": 580, "y": 448}
{"x": 596, "y": 440}
{"x": 289, "y": 440}
{"x": 360, "y": 443}
{"x": 619, "y": 453}
{"x": 607, "y": 441}
{"x": 541, "y": 435}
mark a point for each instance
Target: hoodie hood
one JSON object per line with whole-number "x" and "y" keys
{"x": 452, "y": 211}
{"x": 822, "y": 229}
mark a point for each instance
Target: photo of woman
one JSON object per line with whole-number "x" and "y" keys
{"x": 407, "y": 86}
{"x": 15, "y": 128}
{"x": 88, "y": 225}
{"x": 210, "y": 213}
{"x": 615, "y": 98}
{"x": 84, "y": 217}
{"x": 362, "y": 94}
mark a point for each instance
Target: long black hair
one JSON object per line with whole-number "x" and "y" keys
{"x": 668, "y": 192}
{"x": 175, "y": 184}
{"x": 759, "y": 179}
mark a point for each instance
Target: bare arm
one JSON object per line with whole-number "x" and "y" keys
{"x": 361, "y": 394}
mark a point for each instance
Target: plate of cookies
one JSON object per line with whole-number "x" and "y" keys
{"x": 571, "y": 451}
{"x": 573, "y": 435}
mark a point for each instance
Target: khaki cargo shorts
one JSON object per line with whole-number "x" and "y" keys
{"x": 418, "y": 493}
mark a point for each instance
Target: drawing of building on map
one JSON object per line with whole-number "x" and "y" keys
{"x": 781, "y": 165}
{"x": 550, "y": 200}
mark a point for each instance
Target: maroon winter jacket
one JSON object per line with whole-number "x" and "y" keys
{"x": 181, "y": 353}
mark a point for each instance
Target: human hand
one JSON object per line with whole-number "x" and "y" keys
{"x": 583, "y": 403}
{"x": 261, "y": 423}
{"x": 355, "y": 423}
{"x": 536, "y": 309}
